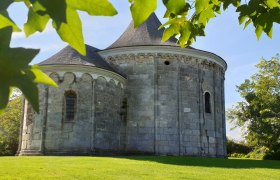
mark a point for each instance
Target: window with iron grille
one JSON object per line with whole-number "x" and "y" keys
{"x": 70, "y": 105}
{"x": 207, "y": 102}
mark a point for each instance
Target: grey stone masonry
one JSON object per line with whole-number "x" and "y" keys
{"x": 138, "y": 96}
{"x": 166, "y": 102}
{"x": 96, "y": 125}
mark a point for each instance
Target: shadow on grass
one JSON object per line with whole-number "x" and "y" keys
{"x": 208, "y": 162}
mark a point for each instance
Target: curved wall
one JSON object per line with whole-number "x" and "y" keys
{"x": 166, "y": 108}
{"x": 97, "y": 122}
{"x": 159, "y": 109}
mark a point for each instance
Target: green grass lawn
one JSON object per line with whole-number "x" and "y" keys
{"x": 136, "y": 167}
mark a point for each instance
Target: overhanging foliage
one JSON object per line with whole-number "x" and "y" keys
{"x": 186, "y": 20}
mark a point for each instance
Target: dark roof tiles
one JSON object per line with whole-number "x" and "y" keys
{"x": 145, "y": 35}
{"x": 68, "y": 55}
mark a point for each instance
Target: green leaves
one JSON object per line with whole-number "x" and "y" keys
{"x": 187, "y": 27}
{"x": 5, "y": 4}
{"x": 71, "y": 31}
{"x": 14, "y": 68}
{"x": 66, "y": 21}
{"x": 4, "y": 97}
{"x": 262, "y": 14}
{"x": 226, "y": 3}
{"x": 5, "y": 21}
{"x": 201, "y": 5}
{"x": 141, "y": 10}
{"x": 93, "y": 7}
{"x": 176, "y": 7}
{"x": 65, "y": 18}
{"x": 9, "y": 127}
{"x": 206, "y": 15}
{"x": 35, "y": 22}
{"x": 15, "y": 72}
{"x": 259, "y": 110}
{"x": 272, "y": 3}
{"x": 186, "y": 32}
{"x": 171, "y": 31}
{"x": 41, "y": 77}
{"x": 56, "y": 9}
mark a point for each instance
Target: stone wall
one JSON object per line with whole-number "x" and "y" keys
{"x": 95, "y": 127}
{"x": 140, "y": 105}
{"x": 63, "y": 135}
{"x": 161, "y": 109}
{"x": 166, "y": 113}
{"x": 107, "y": 130}
{"x": 31, "y": 138}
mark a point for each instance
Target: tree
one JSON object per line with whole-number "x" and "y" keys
{"x": 186, "y": 20}
{"x": 235, "y": 147}
{"x": 9, "y": 127}
{"x": 259, "y": 112}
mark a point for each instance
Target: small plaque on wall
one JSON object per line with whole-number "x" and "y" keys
{"x": 186, "y": 110}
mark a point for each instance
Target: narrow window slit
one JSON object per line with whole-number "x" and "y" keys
{"x": 207, "y": 102}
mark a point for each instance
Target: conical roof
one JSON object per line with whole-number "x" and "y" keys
{"x": 146, "y": 34}
{"x": 68, "y": 55}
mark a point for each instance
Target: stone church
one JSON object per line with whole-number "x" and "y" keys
{"x": 138, "y": 96}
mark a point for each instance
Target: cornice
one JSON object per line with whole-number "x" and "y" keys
{"x": 79, "y": 70}
{"x": 149, "y": 52}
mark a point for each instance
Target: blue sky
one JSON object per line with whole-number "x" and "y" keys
{"x": 224, "y": 37}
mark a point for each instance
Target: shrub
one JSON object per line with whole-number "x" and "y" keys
{"x": 272, "y": 155}
{"x": 258, "y": 153}
{"x": 234, "y": 147}
{"x": 237, "y": 155}
{"x": 9, "y": 127}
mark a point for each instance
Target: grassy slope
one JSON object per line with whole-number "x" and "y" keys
{"x": 140, "y": 167}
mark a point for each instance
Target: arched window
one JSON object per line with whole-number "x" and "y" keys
{"x": 207, "y": 102}
{"x": 70, "y": 105}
